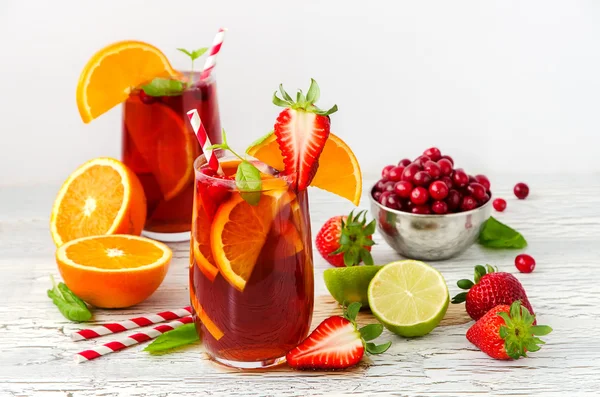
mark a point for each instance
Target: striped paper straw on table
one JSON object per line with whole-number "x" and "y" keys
{"x": 202, "y": 136}
{"x": 130, "y": 340}
{"x": 211, "y": 61}
{"x": 113, "y": 328}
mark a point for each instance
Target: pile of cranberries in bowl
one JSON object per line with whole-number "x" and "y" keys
{"x": 430, "y": 184}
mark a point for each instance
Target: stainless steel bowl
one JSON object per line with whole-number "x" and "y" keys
{"x": 429, "y": 237}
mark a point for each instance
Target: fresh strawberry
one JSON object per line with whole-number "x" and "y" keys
{"x": 346, "y": 240}
{"x": 507, "y": 332}
{"x": 491, "y": 288}
{"x": 336, "y": 343}
{"x": 301, "y": 131}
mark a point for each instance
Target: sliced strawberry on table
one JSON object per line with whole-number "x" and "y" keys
{"x": 301, "y": 131}
{"x": 336, "y": 343}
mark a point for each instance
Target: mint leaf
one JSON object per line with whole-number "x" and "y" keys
{"x": 163, "y": 87}
{"x": 184, "y": 335}
{"x": 186, "y": 52}
{"x": 69, "y": 304}
{"x": 248, "y": 181}
{"x": 495, "y": 234}
{"x": 198, "y": 53}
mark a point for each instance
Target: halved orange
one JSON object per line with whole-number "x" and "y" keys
{"x": 239, "y": 231}
{"x": 165, "y": 143}
{"x": 339, "y": 171}
{"x": 113, "y": 271}
{"x": 110, "y": 74}
{"x": 102, "y": 196}
{"x": 206, "y": 321}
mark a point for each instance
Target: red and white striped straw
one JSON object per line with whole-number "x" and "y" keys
{"x": 130, "y": 340}
{"x": 202, "y": 136}
{"x": 144, "y": 321}
{"x": 211, "y": 61}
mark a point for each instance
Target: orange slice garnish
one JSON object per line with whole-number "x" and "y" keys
{"x": 338, "y": 172}
{"x": 239, "y": 231}
{"x": 102, "y": 196}
{"x": 110, "y": 74}
{"x": 113, "y": 271}
{"x": 206, "y": 321}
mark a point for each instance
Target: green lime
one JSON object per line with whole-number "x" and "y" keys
{"x": 409, "y": 297}
{"x": 350, "y": 284}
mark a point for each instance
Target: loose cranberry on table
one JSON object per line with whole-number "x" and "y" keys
{"x": 438, "y": 190}
{"x": 386, "y": 170}
{"x": 422, "y": 178}
{"x": 445, "y": 167}
{"x": 403, "y": 189}
{"x": 521, "y": 190}
{"x": 525, "y": 263}
{"x": 419, "y": 195}
{"x": 499, "y": 204}
{"x": 439, "y": 207}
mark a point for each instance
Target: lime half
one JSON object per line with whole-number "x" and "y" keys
{"x": 410, "y": 298}
{"x": 350, "y": 284}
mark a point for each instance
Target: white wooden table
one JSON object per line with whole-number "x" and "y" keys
{"x": 560, "y": 219}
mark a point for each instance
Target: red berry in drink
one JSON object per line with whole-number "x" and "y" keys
{"x": 521, "y": 190}
{"x": 453, "y": 200}
{"x": 395, "y": 174}
{"x": 525, "y": 263}
{"x": 438, "y": 190}
{"x": 421, "y": 160}
{"x": 376, "y": 195}
{"x": 391, "y": 201}
{"x": 445, "y": 166}
{"x": 147, "y": 99}
{"x": 433, "y": 169}
{"x": 447, "y": 180}
{"x": 403, "y": 189}
{"x": 484, "y": 181}
{"x": 468, "y": 203}
{"x": 422, "y": 178}
{"x": 448, "y": 158}
{"x": 439, "y": 207}
{"x": 410, "y": 171}
{"x": 433, "y": 153}
{"x": 419, "y": 195}
{"x": 460, "y": 178}
{"x": 476, "y": 190}
{"x": 404, "y": 163}
{"x": 386, "y": 170}
{"x": 421, "y": 210}
{"x": 499, "y": 204}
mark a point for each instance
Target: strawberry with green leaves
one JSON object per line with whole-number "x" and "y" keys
{"x": 336, "y": 343}
{"x": 301, "y": 131}
{"x": 507, "y": 332}
{"x": 346, "y": 240}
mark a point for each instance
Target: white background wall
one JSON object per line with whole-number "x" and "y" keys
{"x": 503, "y": 86}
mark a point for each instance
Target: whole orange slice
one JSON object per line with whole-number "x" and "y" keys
{"x": 113, "y": 271}
{"x": 206, "y": 321}
{"x": 110, "y": 74}
{"x": 338, "y": 172}
{"x": 102, "y": 196}
{"x": 164, "y": 142}
{"x": 239, "y": 231}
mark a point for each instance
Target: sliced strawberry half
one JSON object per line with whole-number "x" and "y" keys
{"x": 301, "y": 131}
{"x": 336, "y": 343}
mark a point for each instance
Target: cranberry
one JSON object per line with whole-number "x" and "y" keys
{"x": 382, "y": 199}
{"x": 404, "y": 162}
{"x": 476, "y": 190}
{"x": 422, "y": 178}
{"x": 485, "y": 199}
{"x": 521, "y": 190}
{"x": 460, "y": 178}
{"x": 395, "y": 174}
{"x": 447, "y": 180}
{"x": 445, "y": 166}
{"x": 484, "y": 181}
{"x": 453, "y": 199}
{"x": 208, "y": 171}
{"x": 421, "y": 209}
{"x": 438, "y": 190}
{"x": 410, "y": 171}
{"x": 419, "y": 195}
{"x": 403, "y": 189}
{"x": 389, "y": 186}
{"x": 433, "y": 153}
{"x": 392, "y": 201}
{"x": 433, "y": 169}
{"x": 147, "y": 99}
{"x": 439, "y": 207}
{"x": 386, "y": 170}
{"x": 380, "y": 185}
{"x": 468, "y": 203}
{"x": 472, "y": 179}
{"x": 499, "y": 204}
{"x": 421, "y": 160}
{"x": 448, "y": 158}
{"x": 525, "y": 263}
{"x": 376, "y": 195}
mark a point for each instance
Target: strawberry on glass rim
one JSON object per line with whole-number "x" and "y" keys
{"x": 301, "y": 131}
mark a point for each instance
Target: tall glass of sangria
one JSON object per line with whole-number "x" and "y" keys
{"x": 160, "y": 147}
{"x": 251, "y": 270}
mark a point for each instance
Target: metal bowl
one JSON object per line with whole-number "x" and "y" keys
{"x": 429, "y": 237}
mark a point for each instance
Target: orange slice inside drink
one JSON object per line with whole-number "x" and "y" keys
{"x": 200, "y": 244}
{"x": 212, "y": 328}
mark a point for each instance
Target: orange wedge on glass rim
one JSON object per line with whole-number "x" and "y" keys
{"x": 110, "y": 74}
{"x": 338, "y": 172}
{"x": 113, "y": 271}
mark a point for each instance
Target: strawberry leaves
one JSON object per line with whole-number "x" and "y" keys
{"x": 368, "y": 332}
{"x": 306, "y": 103}
{"x": 519, "y": 333}
{"x": 355, "y": 238}
{"x": 466, "y": 284}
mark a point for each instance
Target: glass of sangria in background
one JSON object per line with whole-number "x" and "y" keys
{"x": 251, "y": 269}
{"x": 160, "y": 147}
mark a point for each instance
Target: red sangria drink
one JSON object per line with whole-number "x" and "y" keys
{"x": 160, "y": 147}
{"x": 251, "y": 271}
